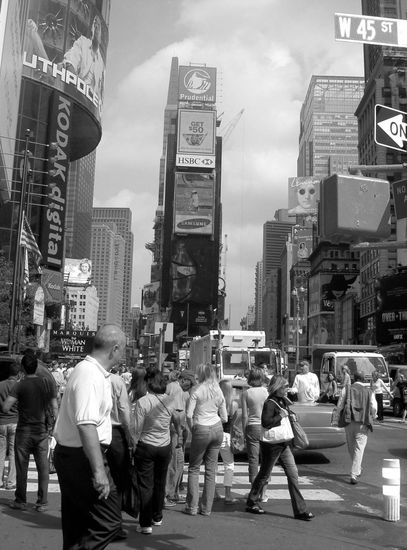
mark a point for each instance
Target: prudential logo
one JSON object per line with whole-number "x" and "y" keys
{"x": 197, "y": 81}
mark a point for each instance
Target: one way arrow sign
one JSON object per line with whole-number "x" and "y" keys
{"x": 390, "y": 128}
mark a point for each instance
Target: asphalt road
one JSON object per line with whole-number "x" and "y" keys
{"x": 347, "y": 517}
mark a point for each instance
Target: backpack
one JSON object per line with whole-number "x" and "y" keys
{"x": 237, "y": 439}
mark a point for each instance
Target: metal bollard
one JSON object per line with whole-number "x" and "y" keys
{"x": 391, "y": 489}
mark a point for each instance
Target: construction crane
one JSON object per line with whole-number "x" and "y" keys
{"x": 230, "y": 126}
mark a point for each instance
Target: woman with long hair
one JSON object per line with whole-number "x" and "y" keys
{"x": 252, "y": 405}
{"x": 206, "y": 410}
{"x": 274, "y": 410}
{"x": 225, "y": 450}
{"x": 138, "y": 384}
{"x": 154, "y": 413}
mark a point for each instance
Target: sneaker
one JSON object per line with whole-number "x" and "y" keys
{"x": 10, "y": 487}
{"x": 41, "y": 507}
{"x": 18, "y": 505}
{"x": 157, "y": 523}
{"x": 168, "y": 503}
{"x": 189, "y": 512}
{"x": 353, "y": 480}
{"x": 144, "y": 530}
{"x": 181, "y": 499}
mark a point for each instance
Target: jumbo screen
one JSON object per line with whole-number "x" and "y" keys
{"x": 65, "y": 43}
{"x": 194, "y": 203}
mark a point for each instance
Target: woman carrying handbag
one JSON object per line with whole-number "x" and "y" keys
{"x": 276, "y": 447}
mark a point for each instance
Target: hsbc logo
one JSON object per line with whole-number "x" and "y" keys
{"x": 199, "y": 161}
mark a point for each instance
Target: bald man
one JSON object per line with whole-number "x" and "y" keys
{"x": 90, "y": 508}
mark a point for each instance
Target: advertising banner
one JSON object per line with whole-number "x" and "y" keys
{"x": 391, "y": 309}
{"x": 77, "y": 271}
{"x": 151, "y": 298}
{"x": 65, "y": 47}
{"x": 325, "y": 289}
{"x": 71, "y": 342}
{"x": 321, "y": 329}
{"x": 196, "y": 132}
{"x": 302, "y": 237}
{"x": 194, "y": 203}
{"x": 194, "y": 270}
{"x": 53, "y": 218}
{"x": 195, "y": 161}
{"x": 197, "y": 84}
{"x": 10, "y": 81}
{"x": 52, "y": 282}
{"x": 303, "y": 194}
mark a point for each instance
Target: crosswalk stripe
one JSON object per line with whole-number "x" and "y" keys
{"x": 241, "y": 484}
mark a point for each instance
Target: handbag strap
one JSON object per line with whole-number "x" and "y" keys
{"x": 279, "y": 406}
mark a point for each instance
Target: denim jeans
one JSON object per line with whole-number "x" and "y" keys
{"x": 175, "y": 469}
{"x": 356, "y": 438}
{"x": 253, "y": 437}
{"x": 152, "y": 465}
{"x": 205, "y": 445}
{"x": 7, "y": 437}
{"x": 31, "y": 440}
{"x": 271, "y": 453}
{"x": 228, "y": 461}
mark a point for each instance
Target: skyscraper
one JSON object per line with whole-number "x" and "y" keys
{"x": 122, "y": 218}
{"x": 328, "y": 127}
{"x": 386, "y": 84}
{"x": 108, "y": 271}
{"x": 79, "y": 203}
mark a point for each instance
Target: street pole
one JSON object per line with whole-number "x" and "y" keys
{"x": 14, "y": 337}
{"x": 297, "y": 352}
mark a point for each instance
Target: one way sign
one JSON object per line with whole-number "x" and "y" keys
{"x": 390, "y": 128}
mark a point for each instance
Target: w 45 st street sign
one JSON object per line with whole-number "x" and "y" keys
{"x": 384, "y": 31}
{"x": 390, "y": 128}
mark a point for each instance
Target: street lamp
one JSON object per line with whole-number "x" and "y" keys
{"x": 297, "y": 294}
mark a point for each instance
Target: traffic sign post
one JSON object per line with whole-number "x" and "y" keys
{"x": 400, "y": 199}
{"x": 383, "y": 31}
{"x": 390, "y": 128}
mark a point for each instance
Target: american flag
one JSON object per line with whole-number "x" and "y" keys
{"x": 29, "y": 243}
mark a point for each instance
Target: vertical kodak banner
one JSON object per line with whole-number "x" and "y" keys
{"x": 53, "y": 218}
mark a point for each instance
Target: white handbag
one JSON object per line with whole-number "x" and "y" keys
{"x": 278, "y": 434}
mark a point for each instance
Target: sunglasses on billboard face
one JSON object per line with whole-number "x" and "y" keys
{"x": 310, "y": 190}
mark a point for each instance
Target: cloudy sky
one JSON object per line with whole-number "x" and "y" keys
{"x": 265, "y": 52}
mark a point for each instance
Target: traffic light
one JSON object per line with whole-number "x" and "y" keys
{"x": 354, "y": 209}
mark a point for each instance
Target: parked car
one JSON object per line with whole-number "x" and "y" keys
{"x": 397, "y": 401}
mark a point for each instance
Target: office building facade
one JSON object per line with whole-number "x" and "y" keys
{"x": 122, "y": 219}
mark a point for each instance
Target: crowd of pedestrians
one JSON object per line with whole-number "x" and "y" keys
{"x": 109, "y": 422}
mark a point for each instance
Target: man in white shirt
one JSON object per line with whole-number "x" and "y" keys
{"x": 90, "y": 507}
{"x": 306, "y": 385}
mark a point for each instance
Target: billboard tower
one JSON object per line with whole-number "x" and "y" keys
{"x": 192, "y": 209}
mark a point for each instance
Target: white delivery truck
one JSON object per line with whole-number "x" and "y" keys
{"x": 234, "y": 352}
{"x": 365, "y": 359}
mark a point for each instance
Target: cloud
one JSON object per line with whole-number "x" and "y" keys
{"x": 265, "y": 54}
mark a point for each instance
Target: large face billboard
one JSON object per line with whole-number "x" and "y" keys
{"x": 197, "y": 84}
{"x": 194, "y": 203}
{"x": 77, "y": 271}
{"x": 303, "y": 194}
{"x": 65, "y": 44}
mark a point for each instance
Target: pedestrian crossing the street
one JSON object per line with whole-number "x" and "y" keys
{"x": 277, "y": 488}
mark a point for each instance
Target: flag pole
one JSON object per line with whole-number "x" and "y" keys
{"x": 14, "y": 337}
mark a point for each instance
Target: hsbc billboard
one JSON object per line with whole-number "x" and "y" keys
{"x": 196, "y": 139}
{"x": 197, "y": 84}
